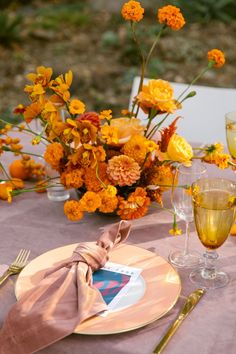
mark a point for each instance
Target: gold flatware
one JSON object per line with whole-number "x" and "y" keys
{"x": 16, "y": 266}
{"x": 189, "y": 304}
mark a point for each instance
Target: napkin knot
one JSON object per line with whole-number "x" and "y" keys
{"x": 90, "y": 253}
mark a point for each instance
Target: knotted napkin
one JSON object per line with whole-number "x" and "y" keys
{"x": 63, "y": 299}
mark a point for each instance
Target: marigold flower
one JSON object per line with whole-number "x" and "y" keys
{"x": 171, "y": 16}
{"x": 76, "y": 107}
{"x": 135, "y": 206}
{"x": 132, "y": 11}
{"x": 123, "y": 170}
{"x": 179, "y": 149}
{"x": 91, "y": 117}
{"x": 136, "y": 148}
{"x": 217, "y": 57}
{"x": 108, "y": 202}
{"x": 72, "y": 210}
{"x": 219, "y": 159}
{"x": 72, "y": 179}
{"x": 90, "y": 202}
{"x": 53, "y": 155}
{"x": 92, "y": 183}
{"x": 162, "y": 176}
{"x": 6, "y": 192}
{"x": 157, "y": 94}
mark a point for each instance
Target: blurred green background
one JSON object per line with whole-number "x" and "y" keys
{"x": 91, "y": 38}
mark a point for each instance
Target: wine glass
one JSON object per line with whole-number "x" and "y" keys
{"x": 182, "y": 203}
{"x": 230, "y": 126}
{"x": 214, "y": 204}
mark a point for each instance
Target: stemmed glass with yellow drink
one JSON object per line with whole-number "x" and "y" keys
{"x": 214, "y": 207}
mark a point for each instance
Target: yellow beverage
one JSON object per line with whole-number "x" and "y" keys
{"x": 214, "y": 216}
{"x": 231, "y": 138}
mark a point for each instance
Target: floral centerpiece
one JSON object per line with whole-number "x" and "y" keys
{"x": 118, "y": 164}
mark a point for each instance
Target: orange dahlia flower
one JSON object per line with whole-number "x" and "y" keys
{"x": 135, "y": 206}
{"x": 217, "y": 57}
{"x": 123, "y": 170}
{"x": 132, "y": 11}
{"x": 157, "y": 94}
{"x": 171, "y": 16}
{"x": 72, "y": 210}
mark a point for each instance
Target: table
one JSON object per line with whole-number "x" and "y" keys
{"x": 34, "y": 222}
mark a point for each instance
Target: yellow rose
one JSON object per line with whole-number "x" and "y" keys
{"x": 126, "y": 128}
{"x": 179, "y": 149}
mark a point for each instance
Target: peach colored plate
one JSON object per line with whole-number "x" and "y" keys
{"x": 158, "y": 288}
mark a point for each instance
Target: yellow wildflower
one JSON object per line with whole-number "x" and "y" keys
{"x": 109, "y": 134}
{"x": 106, "y": 114}
{"x": 76, "y": 107}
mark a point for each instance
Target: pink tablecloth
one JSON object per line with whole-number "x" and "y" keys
{"x": 34, "y": 222}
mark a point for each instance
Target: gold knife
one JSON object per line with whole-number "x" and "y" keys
{"x": 190, "y": 303}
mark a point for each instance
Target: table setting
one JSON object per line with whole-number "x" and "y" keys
{"x": 92, "y": 255}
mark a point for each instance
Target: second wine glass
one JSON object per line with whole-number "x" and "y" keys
{"x": 182, "y": 203}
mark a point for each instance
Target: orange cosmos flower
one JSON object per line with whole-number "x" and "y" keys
{"x": 90, "y": 202}
{"x": 132, "y": 11}
{"x": 72, "y": 210}
{"x": 171, "y": 16}
{"x": 157, "y": 94}
{"x": 32, "y": 111}
{"x": 217, "y": 57}
{"x": 61, "y": 85}
{"x": 76, "y": 107}
{"x": 71, "y": 133}
{"x": 87, "y": 131}
{"x": 53, "y": 155}
{"x": 42, "y": 76}
{"x": 135, "y": 206}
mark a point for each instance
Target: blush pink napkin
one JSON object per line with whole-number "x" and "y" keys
{"x": 63, "y": 299}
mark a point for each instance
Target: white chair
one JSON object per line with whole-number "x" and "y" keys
{"x": 203, "y": 115}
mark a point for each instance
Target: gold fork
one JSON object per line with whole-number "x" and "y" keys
{"x": 16, "y": 266}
